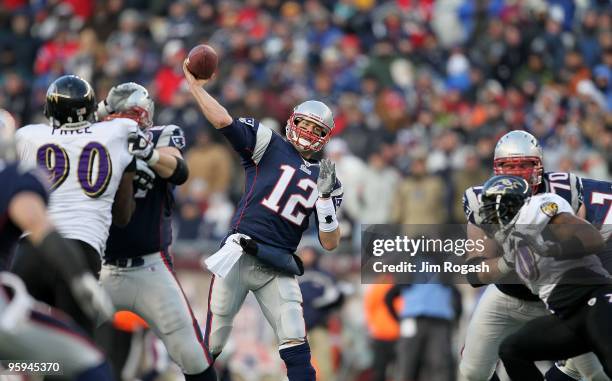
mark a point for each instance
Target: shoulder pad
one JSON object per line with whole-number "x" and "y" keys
{"x": 170, "y": 136}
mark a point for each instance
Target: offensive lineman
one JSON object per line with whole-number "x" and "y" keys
{"x": 503, "y": 308}
{"x": 283, "y": 187}
{"x": 137, "y": 271}
{"x": 552, "y": 252}
{"x": 90, "y": 169}
{"x": 30, "y": 330}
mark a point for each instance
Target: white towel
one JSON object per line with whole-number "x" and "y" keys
{"x": 221, "y": 262}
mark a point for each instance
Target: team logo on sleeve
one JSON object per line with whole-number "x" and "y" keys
{"x": 549, "y": 208}
{"x": 178, "y": 139}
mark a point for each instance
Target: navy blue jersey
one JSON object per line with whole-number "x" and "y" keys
{"x": 598, "y": 204}
{"x": 14, "y": 180}
{"x": 280, "y": 189}
{"x": 150, "y": 229}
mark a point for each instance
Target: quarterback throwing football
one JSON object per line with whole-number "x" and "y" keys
{"x": 283, "y": 187}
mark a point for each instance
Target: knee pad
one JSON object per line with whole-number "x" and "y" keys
{"x": 297, "y": 360}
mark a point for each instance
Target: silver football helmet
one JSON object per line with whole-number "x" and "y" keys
{"x": 518, "y": 153}
{"x": 128, "y": 100}
{"x": 316, "y": 112}
{"x": 8, "y": 151}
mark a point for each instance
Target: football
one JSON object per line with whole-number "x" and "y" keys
{"x": 202, "y": 61}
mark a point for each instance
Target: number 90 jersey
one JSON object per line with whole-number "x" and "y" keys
{"x": 85, "y": 167}
{"x": 280, "y": 189}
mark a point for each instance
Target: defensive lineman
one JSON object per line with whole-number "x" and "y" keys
{"x": 91, "y": 172}
{"x": 137, "y": 271}
{"x": 551, "y": 250}
{"x": 29, "y": 330}
{"x": 503, "y": 308}
{"x": 283, "y": 187}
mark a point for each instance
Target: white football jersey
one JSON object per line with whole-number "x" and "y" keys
{"x": 542, "y": 274}
{"x": 85, "y": 167}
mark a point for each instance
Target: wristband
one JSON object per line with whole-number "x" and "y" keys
{"x": 328, "y": 222}
{"x": 154, "y": 158}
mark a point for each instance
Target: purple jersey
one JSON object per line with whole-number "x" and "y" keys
{"x": 150, "y": 229}
{"x": 280, "y": 189}
{"x": 14, "y": 180}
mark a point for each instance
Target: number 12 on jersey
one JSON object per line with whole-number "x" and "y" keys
{"x": 289, "y": 211}
{"x": 94, "y": 168}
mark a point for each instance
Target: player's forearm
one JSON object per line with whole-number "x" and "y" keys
{"x": 216, "y": 114}
{"x": 171, "y": 166}
{"x": 575, "y": 236}
{"x": 330, "y": 240}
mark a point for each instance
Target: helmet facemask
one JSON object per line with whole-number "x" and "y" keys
{"x": 302, "y": 138}
{"x": 533, "y": 174}
{"x": 138, "y": 114}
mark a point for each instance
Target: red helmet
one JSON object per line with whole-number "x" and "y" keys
{"x": 518, "y": 147}
{"x": 316, "y": 112}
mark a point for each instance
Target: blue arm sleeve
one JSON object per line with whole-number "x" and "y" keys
{"x": 242, "y": 135}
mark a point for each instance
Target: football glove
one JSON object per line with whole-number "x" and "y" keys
{"x": 145, "y": 177}
{"x": 92, "y": 298}
{"x": 327, "y": 178}
{"x": 142, "y": 147}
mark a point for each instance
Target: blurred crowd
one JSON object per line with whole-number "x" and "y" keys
{"x": 420, "y": 89}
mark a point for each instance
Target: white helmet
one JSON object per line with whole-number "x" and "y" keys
{"x": 128, "y": 100}
{"x": 8, "y": 151}
{"x": 316, "y": 112}
{"x": 518, "y": 147}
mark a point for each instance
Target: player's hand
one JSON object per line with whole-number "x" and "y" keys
{"x": 191, "y": 79}
{"x": 92, "y": 298}
{"x": 145, "y": 176}
{"x": 140, "y": 145}
{"x": 327, "y": 178}
{"x": 539, "y": 245}
{"x": 249, "y": 246}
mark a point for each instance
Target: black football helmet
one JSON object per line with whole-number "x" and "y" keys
{"x": 502, "y": 198}
{"x": 70, "y": 102}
